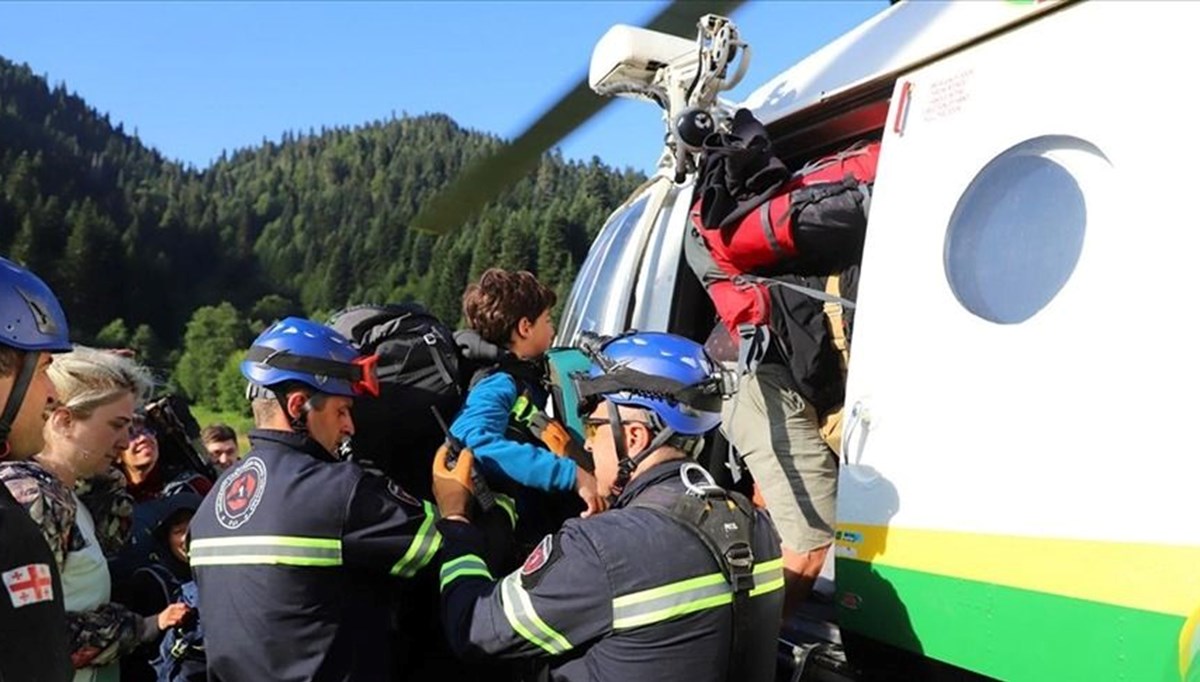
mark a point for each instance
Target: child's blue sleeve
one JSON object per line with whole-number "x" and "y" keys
{"x": 483, "y": 424}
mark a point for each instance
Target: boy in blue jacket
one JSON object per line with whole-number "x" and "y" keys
{"x": 510, "y": 330}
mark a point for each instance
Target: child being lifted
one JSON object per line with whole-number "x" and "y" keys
{"x": 510, "y": 330}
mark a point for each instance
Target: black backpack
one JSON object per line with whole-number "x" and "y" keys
{"x": 418, "y": 369}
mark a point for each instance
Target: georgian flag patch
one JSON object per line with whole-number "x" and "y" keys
{"x": 28, "y": 585}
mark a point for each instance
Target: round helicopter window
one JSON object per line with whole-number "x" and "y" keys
{"x": 1017, "y": 232}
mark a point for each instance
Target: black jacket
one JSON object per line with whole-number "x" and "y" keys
{"x": 34, "y": 640}
{"x": 293, "y": 553}
{"x": 626, "y": 596}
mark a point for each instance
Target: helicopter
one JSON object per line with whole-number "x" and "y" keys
{"x": 1014, "y": 476}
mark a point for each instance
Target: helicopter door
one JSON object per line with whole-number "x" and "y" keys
{"x": 1014, "y": 318}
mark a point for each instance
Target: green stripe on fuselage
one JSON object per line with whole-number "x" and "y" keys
{"x": 1007, "y": 633}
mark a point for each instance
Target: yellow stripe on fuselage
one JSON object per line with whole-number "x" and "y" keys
{"x": 1160, "y": 578}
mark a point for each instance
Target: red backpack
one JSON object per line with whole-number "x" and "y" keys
{"x": 813, "y": 225}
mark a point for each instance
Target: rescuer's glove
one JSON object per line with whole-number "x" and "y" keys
{"x": 452, "y": 482}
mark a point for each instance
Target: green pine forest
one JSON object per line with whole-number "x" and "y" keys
{"x": 186, "y": 265}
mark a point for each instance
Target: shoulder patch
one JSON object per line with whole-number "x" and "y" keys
{"x": 400, "y": 494}
{"x": 542, "y": 556}
{"x": 241, "y": 492}
{"x": 29, "y": 584}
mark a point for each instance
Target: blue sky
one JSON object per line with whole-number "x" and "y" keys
{"x": 194, "y": 78}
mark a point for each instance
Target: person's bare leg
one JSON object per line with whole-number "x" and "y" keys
{"x": 800, "y": 573}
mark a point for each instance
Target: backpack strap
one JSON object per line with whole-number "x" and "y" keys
{"x": 431, "y": 340}
{"x": 723, "y": 521}
{"x": 834, "y": 314}
{"x": 165, "y": 579}
{"x": 753, "y": 342}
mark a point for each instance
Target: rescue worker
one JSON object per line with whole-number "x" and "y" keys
{"x": 292, "y": 549}
{"x": 34, "y": 637}
{"x": 678, "y": 580}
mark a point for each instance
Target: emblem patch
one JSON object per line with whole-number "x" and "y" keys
{"x": 241, "y": 492}
{"x": 29, "y": 584}
{"x": 538, "y": 559}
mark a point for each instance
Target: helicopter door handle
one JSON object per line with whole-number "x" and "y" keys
{"x": 860, "y": 419}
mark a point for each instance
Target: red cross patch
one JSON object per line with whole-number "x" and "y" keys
{"x": 28, "y": 585}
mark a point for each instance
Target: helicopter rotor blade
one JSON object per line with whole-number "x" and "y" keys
{"x": 486, "y": 178}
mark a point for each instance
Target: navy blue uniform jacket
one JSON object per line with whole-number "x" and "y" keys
{"x": 292, "y": 552}
{"x": 628, "y": 595}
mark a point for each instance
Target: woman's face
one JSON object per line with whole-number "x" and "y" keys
{"x": 94, "y": 442}
{"x": 142, "y": 451}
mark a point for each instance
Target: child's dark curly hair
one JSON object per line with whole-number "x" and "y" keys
{"x": 495, "y": 305}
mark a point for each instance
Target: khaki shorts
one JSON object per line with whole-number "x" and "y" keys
{"x": 778, "y": 436}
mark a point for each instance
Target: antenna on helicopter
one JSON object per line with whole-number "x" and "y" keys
{"x": 683, "y": 77}
{"x": 486, "y": 178}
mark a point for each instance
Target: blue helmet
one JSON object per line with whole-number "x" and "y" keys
{"x": 295, "y": 349}
{"x": 666, "y": 374}
{"x": 31, "y": 318}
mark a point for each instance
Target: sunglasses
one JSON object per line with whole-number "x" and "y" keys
{"x": 137, "y": 430}
{"x": 592, "y": 424}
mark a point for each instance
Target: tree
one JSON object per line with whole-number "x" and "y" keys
{"x": 114, "y": 335}
{"x": 270, "y": 309}
{"x": 214, "y": 335}
{"x": 231, "y": 387}
{"x": 309, "y": 223}
{"x": 145, "y": 342}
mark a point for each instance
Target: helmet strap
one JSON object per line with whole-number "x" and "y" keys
{"x": 20, "y": 387}
{"x": 626, "y": 465}
{"x": 298, "y": 423}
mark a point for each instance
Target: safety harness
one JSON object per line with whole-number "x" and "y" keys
{"x": 724, "y": 522}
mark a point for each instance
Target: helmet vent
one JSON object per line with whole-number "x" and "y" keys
{"x": 41, "y": 317}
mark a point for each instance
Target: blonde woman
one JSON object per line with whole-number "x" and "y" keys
{"x": 84, "y": 434}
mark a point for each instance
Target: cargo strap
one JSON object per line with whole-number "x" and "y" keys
{"x": 807, "y": 291}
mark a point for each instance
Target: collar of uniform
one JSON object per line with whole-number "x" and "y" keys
{"x": 655, "y": 475}
{"x": 292, "y": 441}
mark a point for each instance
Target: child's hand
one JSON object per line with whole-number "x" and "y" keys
{"x": 585, "y": 485}
{"x": 172, "y": 615}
